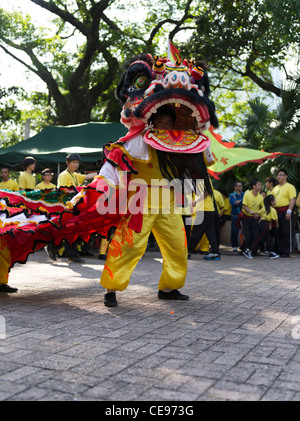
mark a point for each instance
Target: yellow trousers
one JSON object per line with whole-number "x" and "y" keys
{"x": 127, "y": 247}
{"x": 5, "y": 261}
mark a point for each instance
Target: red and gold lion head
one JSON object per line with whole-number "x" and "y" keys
{"x": 150, "y": 83}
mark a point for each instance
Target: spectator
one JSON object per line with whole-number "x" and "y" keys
{"x": 7, "y": 183}
{"x": 285, "y": 195}
{"x": 263, "y": 193}
{"x": 70, "y": 177}
{"x": 270, "y": 183}
{"x": 46, "y": 183}
{"x": 27, "y": 180}
{"x": 220, "y": 206}
{"x": 207, "y": 226}
{"x": 225, "y": 214}
{"x": 268, "y": 218}
{"x": 252, "y": 203}
{"x": 235, "y": 200}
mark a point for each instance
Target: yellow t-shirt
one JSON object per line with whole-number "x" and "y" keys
{"x": 68, "y": 179}
{"x": 219, "y": 200}
{"x": 270, "y": 192}
{"x": 271, "y": 216}
{"x": 26, "y": 181}
{"x": 227, "y": 206}
{"x": 9, "y": 185}
{"x": 44, "y": 186}
{"x": 254, "y": 203}
{"x": 283, "y": 194}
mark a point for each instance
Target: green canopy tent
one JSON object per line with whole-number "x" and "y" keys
{"x": 51, "y": 146}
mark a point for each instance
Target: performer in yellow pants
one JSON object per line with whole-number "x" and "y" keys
{"x": 5, "y": 261}
{"x": 127, "y": 247}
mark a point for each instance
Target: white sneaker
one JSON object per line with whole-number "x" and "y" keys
{"x": 273, "y": 255}
{"x": 247, "y": 253}
{"x": 212, "y": 256}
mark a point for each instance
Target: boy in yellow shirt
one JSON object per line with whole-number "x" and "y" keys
{"x": 7, "y": 183}
{"x": 27, "y": 180}
{"x": 252, "y": 203}
{"x": 70, "y": 177}
{"x": 46, "y": 183}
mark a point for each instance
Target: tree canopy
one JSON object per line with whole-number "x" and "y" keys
{"x": 79, "y": 55}
{"x": 82, "y": 78}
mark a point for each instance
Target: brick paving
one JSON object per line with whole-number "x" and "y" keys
{"x": 237, "y": 338}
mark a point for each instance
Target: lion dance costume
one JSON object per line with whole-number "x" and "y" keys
{"x": 139, "y": 166}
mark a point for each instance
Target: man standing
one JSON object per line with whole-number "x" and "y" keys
{"x": 235, "y": 200}
{"x": 252, "y": 203}
{"x": 285, "y": 195}
{"x": 7, "y": 182}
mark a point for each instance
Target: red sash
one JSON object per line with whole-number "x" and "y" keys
{"x": 282, "y": 209}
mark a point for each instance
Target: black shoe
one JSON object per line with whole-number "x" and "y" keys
{"x": 51, "y": 253}
{"x": 87, "y": 254}
{"x": 172, "y": 295}
{"x": 76, "y": 259}
{"x": 110, "y": 299}
{"x": 284, "y": 255}
{"x": 189, "y": 256}
{"x": 7, "y": 288}
{"x": 102, "y": 257}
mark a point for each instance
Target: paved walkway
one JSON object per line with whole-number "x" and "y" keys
{"x": 237, "y": 338}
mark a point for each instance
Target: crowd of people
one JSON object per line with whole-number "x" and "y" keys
{"x": 262, "y": 222}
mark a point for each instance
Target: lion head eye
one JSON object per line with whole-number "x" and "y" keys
{"x": 140, "y": 82}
